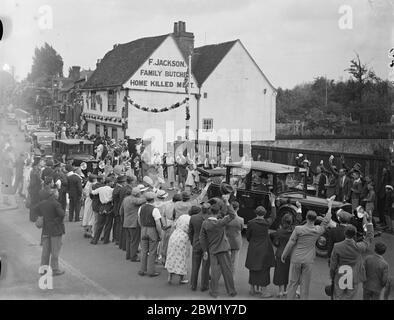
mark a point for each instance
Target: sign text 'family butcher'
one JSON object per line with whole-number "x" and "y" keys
{"x": 161, "y": 73}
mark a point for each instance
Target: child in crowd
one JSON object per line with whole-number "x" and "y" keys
{"x": 190, "y": 178}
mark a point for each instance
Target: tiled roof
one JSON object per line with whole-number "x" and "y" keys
{"x": 119, "y": 64}
{"x": 205, "y": 59}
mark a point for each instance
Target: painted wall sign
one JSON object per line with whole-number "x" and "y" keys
{"x": 165, "y": 70}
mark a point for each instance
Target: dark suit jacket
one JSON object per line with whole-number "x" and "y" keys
{"x": 213, "y": 234}
{"x": 344, "y": 192}
{"x": 53, "y": 214}
{"x": 335, "y": 235}
{"x": 47, "y": 172}
{"x": 74, "y": 183}
{"x": 357, "y": 189}
{"x": 195, "y": 224}
{"x": 116, "y": 198}
{"x": 349, "y": 252}
{"x": 376, "y": 269}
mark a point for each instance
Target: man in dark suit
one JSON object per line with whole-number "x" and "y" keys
{"x": 344, "y": 186}
{"x": 348, "y": 255}
{"x": 213, "y": 240}
{"x": 337, "y": 234}
{"x": 197, "y": 253}
{"x": 376, "y": 269}
{"x": 48, "y": 170}
{"x": 74, "y": 183}
{"x": 60, "y": 180}
{"x": 52, "y": 231}
{"x": 129, "y": 212}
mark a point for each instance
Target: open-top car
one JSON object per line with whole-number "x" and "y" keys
{"x": 254, "y": 180}
{"x": 74, "y": 151}
{"x": 42, "y": 142}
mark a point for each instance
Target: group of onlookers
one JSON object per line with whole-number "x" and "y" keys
{"x": 153, "y": 230}
{"x": 349, "y": 185}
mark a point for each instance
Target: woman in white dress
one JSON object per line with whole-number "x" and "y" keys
{"x": 26, "y": 177}
{"x": 178, "y": 250}
{"x": 88, "y": 219}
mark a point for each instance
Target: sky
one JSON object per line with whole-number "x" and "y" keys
{"x": 292, "y": 41}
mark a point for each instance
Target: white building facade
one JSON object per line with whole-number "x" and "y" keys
{"x": 230, "y": 99}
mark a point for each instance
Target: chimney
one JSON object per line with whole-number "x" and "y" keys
{"x": 75, "y": 73}
{"x": 98, "y": 62}
{"x": 184, "y": 39}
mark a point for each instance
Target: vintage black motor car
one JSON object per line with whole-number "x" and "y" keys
{"x": 254, "y": 180}
{"x": 75, "y": 152}
{"x": 42, "y": 142}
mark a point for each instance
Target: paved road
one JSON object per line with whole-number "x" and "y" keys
{"x": 101, "y": 272}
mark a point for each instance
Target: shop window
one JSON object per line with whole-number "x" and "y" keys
{"x": 207, "y": 125}
{"x": 97, "y": 129}
{"x": 115, "y": 133}
{"x": 111, "y": 100}
{"x": 93, "y": 100}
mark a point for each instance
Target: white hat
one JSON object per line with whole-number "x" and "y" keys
{"x": 161, "y": 194}
{"x": 142, "y": 187}
{"x": 388, "y": 186}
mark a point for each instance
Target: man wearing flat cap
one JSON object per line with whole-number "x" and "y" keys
{"x": 48, "y": 170}
{"x": 74, "y": 183}
{"x": 129, "y": 212}
{"x": 349, "y": 253}
{"x": 149, "y": 218}
{"x": 195, "y": 224}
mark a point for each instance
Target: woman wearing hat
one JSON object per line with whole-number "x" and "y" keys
{"x": 260, "y": 256}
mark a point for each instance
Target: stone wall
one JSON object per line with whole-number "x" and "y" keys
{"x": 355, "y": 146}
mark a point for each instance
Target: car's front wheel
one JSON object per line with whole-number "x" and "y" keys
{"x": 321, "y": 246}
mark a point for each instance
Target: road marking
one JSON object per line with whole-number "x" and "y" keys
{"x": 68, "y": 267}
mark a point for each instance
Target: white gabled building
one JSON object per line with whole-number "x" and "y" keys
{"x": 228, "y": 90}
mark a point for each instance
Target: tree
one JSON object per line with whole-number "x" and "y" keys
{"x": 7, "y": 84}
{"x": 46, "y": 64}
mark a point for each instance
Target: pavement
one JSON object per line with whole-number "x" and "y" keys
{"x": 101, "y": 272}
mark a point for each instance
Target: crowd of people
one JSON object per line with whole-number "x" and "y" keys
{"x": 350, "y": 186}
{"x": 130, "y": 205}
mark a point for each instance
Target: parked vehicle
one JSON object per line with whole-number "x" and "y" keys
{"x": 254, "y": 181}
{"x": 42, "y": 142}
{"x": 28, "y": 130}
{"x": 75, "y": 152}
